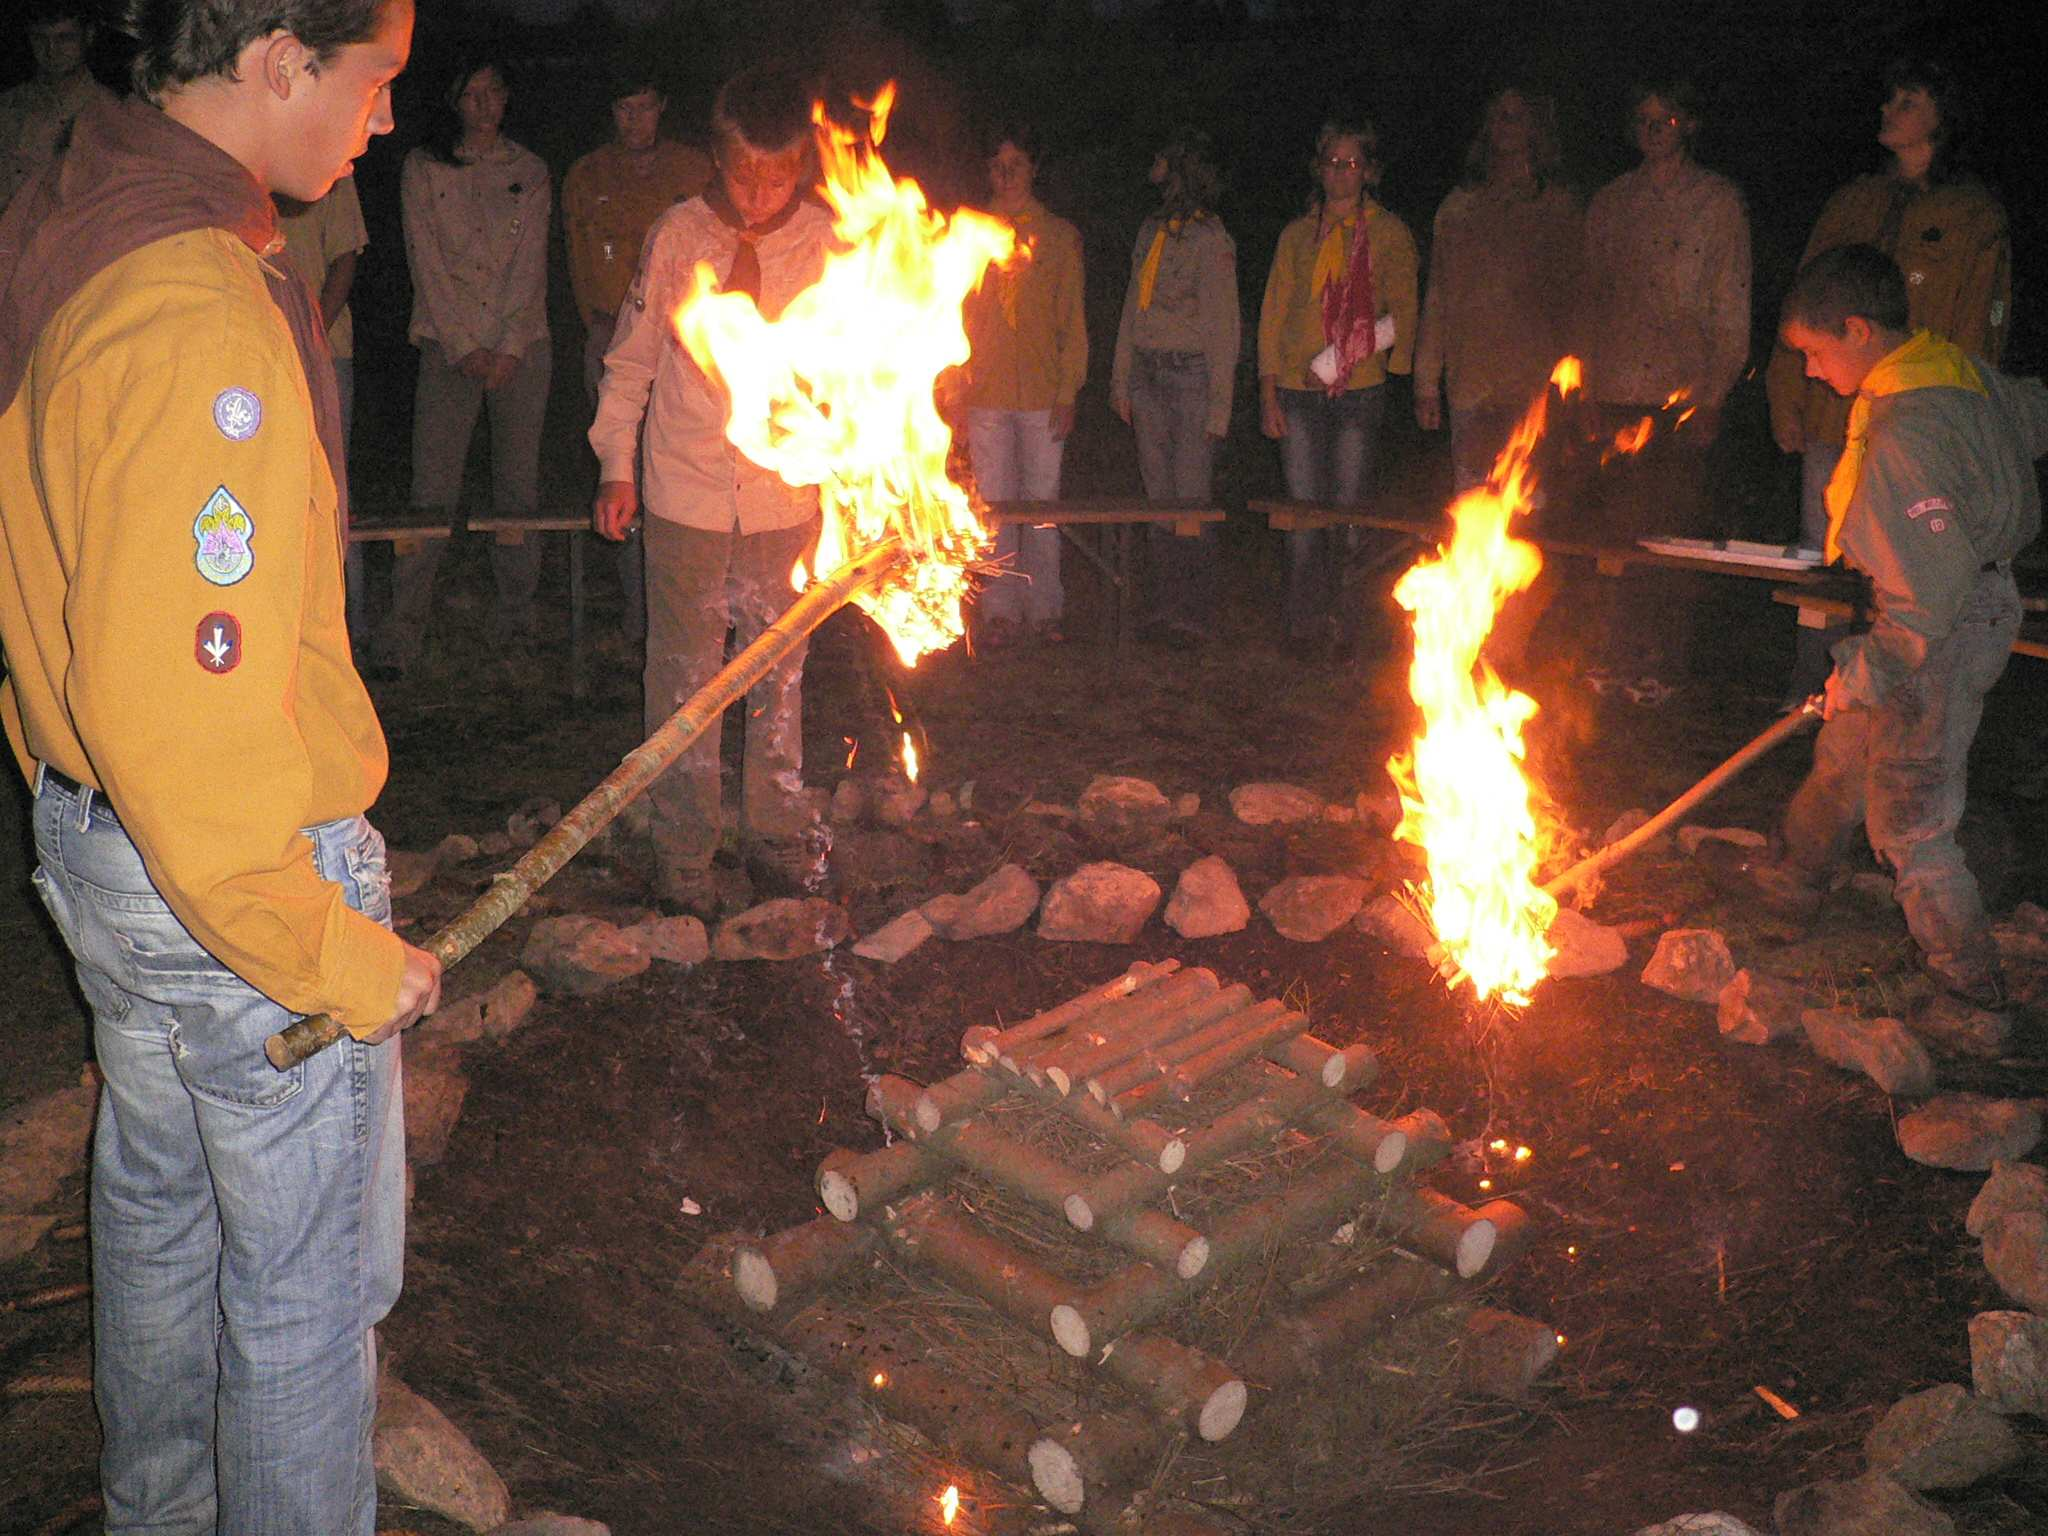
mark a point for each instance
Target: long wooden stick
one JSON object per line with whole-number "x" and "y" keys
{"x": 641, "y": 767}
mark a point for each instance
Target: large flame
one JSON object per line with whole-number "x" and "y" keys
{"x": 1463, "y": 796}
{"x": 836, "y": 392}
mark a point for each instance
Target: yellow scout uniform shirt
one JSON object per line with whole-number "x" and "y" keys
{"x": 316, "y": 235}
{"x": 1026, "y": 331}
{"x": 171, "y": 608}
{"x": 1291, "y": 317}
{"x": 609, "y": 202}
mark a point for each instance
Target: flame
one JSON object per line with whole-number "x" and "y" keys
{"x": 909, "y": 759}
{"x": 1463, "y": 797}
{"x": 949, "y": 1504}
{"x": 1629, "y": 440}
{"x": 836, "y": 392}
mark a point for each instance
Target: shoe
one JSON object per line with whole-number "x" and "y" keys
{"x": 1752, "y": 874}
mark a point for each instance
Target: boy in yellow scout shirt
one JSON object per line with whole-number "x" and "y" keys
{"x": 180, "y": 694}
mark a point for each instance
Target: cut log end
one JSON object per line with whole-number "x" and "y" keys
{"x": 928, "y": 1115}
{"x": 1475, "y": 1247}
{"x": 1194, "y": 1258}
{"x": 754, "y": 1277}
{"x": 1391, "y": 1152}
{"x": 1070, "y": 1329}
{"x": 1333, "y": 1070}
{"x": 1222, "y": 1412}
{"x": 1057, "y": 1476}
{"x": 839, "y": 1195}
{"x": 978, "y": 1045}
{"x": 1080, "y": 1214}
{"x": 1061, "y": 1083}
{"x": 1172, "y": 1155}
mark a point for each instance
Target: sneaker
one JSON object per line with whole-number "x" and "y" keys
{"x": 1754, "y": 875}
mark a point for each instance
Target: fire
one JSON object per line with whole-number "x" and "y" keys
{"x": 836, "y": 392}
{"x": 909, "y": 758}
{"x": 1463, "y": 797}
{"x": 949, "y": 1504}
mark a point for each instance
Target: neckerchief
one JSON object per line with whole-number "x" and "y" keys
{"x": 1927, "y": 361}
{"x": 745, "y": 276}
{"x": 1347, "y": 295}
{"x": 1148, "y": 274}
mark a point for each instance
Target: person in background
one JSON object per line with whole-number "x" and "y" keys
{"x": 1029, "y": 357}
{"x": 1498, "y": 308}
{"x": 202, "y": 754}
{"x": 1176, "y": 366}
{"x": 322, "y": 241}
{"x": 1665, "y": 331}
{"x": 1949, "y": 233}
{"x": 610, "y": 199}
{"x": 1339, "y": 317}
{"x": 36, "y": 116}
{"x": 1933, "y": 495}
{"x": 475, "y": 207}
{"x": 722, "y": 533}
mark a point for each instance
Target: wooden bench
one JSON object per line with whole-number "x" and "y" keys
{"x": 1843, "y": 602}
{"x": 1186, "y": 519}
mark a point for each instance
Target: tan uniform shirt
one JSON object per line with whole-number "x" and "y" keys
{"x": 34, "y": 120}
{"x": 171, "y": 608}
{"x": 476, "y": 238}
{"x": 1193, "y": 309}
{"x": 1953, "y": 245}
{"x": 314, "y": 237}
{"x": 1503, "y": 285}
{"x": 1291, "y": 318}
{"x": 610, "y": 199}
{"x": 655, "y": 399}
{"x": 1027, "y": 334}
{"x": 1666, "y": 296}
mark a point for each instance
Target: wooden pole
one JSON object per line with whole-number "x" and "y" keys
{"x": 982, "y": 1045}
{"x": 1326, "y": 1331}
{"x": 1187, "y": 1002}
{"x": 641, "y": 767}
{"x": 785, "y": 1267}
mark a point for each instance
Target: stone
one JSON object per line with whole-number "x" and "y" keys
{"x": 1340, "y": 815}
{"x": 1962, "y": 1028}
{"x": 1714, "y": 1523}
{"x": 1266, "y": 805}
{"x": 1940, "y": 1438}
{"x": 42, "y": 1143}
{"x": 409, "y": 871}
{"x": 1584, "y": 947}
{"x": 1883, "y": 1050}
{"x": 674, "y": 940}
{"x": 1099, "y": 904}
{"x": 1622, "y": 825}
{"x": 1309, "y": 908}
{"x": 1692, "y": 964}
{"x": 20, "y": 1234}
{"x": 942, "y": 806}
{"x": 456, "y": 848}
{"x": 1757, "y": 1010}
{"x": 1002, "y": 903}
{"x": 782, "y": 929}
{"x": 2009, "y": 1361}
{"x": 1502, "y": 1354}
{"x": 2023, "y": 933}
{"x": 1381, "y": 810}
{"x": 547, "y": 1523}
{"x": 1872, "y": 1505}
{"x": 896, "y": 800}
{"x": 493, "y": 1013}
{"x": 872, "y": 860}
{"x": 2013, "y": 1186}
{"x": 895, "y": 938}
{"x": 2016, "y": 1254}
{"x": 1115, "y": 805}
{"x": 1395, "y": 924}
{"x": 531, "y": 820}
{"x": 423, "y": 1459}
{"x": 1186, "y": 806}
{"x": 1207, "y": 900}
{"x": 1969, "y": 1131}
{"x": 1690, "y": 838}
{"x": 580, "y": 955}
{"x": 1869, "y": 886}
{"x": 849, "y": 802}
{"x": 495, "y": 844}
{"x": 435, "y": 1087}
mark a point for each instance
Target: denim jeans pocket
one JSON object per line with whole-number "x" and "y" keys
{"x": 363, "y": 870}
{"x": 151, "y": 938}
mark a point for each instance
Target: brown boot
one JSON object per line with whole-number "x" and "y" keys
{"x": 1753, "y": 874}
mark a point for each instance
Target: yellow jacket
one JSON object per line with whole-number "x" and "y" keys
{"x": 609, "y": 204}
{"x": 171, "y": 608}
{"x": 1291, "y": 318}
{"x": 1026, "y": 332}
{"x": 1951, "y": 242}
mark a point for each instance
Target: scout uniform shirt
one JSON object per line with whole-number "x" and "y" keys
{"x": 1291, "y": 317}
{"x": 610, "y": 199}
{"x": 476, "y": 238}
{"x": 688, "y": 472}
{"x": 316, "y": 235}
{"x": 1027, "y": 336}
{"x": 1193, "y": 306}
{"x": 171, "y": 607}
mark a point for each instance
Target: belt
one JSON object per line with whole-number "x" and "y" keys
{"x": 96, "y": 799}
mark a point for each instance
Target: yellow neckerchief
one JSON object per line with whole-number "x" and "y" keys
{"x": 1148, "y": 274}
{"x": 1010, "y": 278}
{"x": 1927, "y": 361}
{"x": 1330, "y": 264}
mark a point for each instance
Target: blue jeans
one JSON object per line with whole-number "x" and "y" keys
{"x": 1170, "y": 417}
{"x": 1016, "y": 458}
{"x": 1327, "y": 457}
{"x": 248, "y": 1225}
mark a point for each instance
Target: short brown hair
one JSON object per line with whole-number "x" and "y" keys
{"x": 1848, "y": 280}
{"x": 767, "y": 108}
{"x": 180, "y": 41}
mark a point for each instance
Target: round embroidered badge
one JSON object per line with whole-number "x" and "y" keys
{"x": 238, "y": 413}
{"x": 217, "y": 646}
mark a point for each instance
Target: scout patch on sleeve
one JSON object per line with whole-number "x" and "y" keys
{"x": 1921, "y": 508}
{"x": 224, "y": 530}
{"x": 238, "y": 413}
{"x": 218, "y": 643}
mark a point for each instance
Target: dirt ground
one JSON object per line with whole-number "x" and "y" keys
{"x": 1713, "y": 1218}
